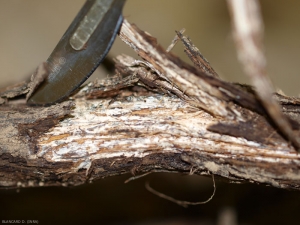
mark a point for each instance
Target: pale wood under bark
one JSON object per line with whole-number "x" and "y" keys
{"x": 157, "y": 114}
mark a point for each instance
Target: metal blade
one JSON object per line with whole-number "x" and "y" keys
{"x": 80, "y": 50}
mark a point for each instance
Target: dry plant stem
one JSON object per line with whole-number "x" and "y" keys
{"x": 137, "y": 131}
{"x": 248, "y": 34}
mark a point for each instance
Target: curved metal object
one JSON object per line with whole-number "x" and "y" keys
{"x": 80, "y": 50}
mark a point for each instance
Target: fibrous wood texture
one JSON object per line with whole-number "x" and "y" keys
{"x": 156, "y": 114}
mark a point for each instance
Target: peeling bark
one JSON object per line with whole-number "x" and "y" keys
{"x": 156, "y": 114}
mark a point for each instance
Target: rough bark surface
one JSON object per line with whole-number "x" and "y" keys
{"x": 156, "y": 114}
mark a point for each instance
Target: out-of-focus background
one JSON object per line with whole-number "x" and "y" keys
{"x": 31, "y": 29}
{"x": 29, "y": 32}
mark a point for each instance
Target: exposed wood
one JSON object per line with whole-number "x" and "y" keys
{"x": 157, "y": 114}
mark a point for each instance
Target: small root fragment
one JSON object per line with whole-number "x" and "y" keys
{"x": 180, "y": 202}
{"x": 136, "y": 177}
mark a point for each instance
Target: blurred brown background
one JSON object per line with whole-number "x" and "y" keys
{"x": 31, "y": 29}
{"x": 29, "y": 32}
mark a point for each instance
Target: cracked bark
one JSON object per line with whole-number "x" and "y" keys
{"x": 156, "y": 114}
